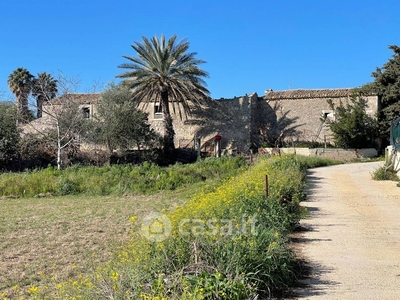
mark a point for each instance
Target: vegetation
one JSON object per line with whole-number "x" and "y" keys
{"x": 226, "y": 242}
{"x": 385, "y": 172}
{"x": 62, "y": 236}
{"x": 387, "y": 86}
{"x": 9, "y": 135}
{"x": 44, "y": 88}
{"x": 119, "y": 125}
{"x": 117, "y": 179}
{"x": 164, "y": 72}
{"x": 352, "y": 127}
{"x": 20, "y": 83}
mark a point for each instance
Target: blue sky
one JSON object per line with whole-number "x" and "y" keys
{"x": 249, "y": 45}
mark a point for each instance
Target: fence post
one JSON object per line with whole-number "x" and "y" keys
{"x": 266, "y": 186}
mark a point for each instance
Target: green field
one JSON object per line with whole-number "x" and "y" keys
{"x": 63, "y": 236}
{"x": 84, "y": 245}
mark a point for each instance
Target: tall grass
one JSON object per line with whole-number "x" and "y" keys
{"x": 227, "y": 243}
{"x": 117, "y": 179}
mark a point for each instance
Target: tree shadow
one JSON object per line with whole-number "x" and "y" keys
{"x": 309, "y": 282}
{"x": 275, "y": 126}
{"x": 313, "y": 183}
{"x": 248, "y": 121}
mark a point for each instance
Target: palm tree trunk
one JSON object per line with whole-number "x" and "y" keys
{"x": 169, "y": 145}
{"x": 39, "y": 104}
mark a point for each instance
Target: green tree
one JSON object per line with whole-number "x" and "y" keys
{"x": 44, "y": 88}
{"x": 387, "y": 86}
{"x": 118, "y": 124}
{"x": 352, "y": 126}
{"x": 164, "y": 72}
{"x": 9, "y": 136}
{"x": 20, "y": 84}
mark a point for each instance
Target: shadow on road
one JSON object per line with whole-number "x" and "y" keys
{"x": 309, "y": 283}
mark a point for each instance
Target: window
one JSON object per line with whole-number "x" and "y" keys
{"x": 328, "y": 114}
{"x": 157, "y": 111}
{"x": 86, "y": 112}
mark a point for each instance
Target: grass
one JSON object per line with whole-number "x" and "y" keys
{"x": 203, "y": 257}
{"x": 52, "y": 240}
{"x": 63, "y": 236}
{"x": 59, "y": 235}
{"x": 114, "y": 180}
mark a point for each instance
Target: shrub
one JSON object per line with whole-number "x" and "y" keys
{"x": 385, "y": 172}
{"x": 66, "y": 186}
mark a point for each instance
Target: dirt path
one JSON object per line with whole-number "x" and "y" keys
{"x": 353, "y": 237}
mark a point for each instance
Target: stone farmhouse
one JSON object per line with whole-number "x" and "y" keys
{"x": 249, "y": 121}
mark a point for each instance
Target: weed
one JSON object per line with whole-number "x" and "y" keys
{"x": 385, "y": 172}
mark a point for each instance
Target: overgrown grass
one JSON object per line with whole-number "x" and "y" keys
{"x": 114, "y": 180}
{"x": 227, "y": 243}
{"x": 60, "y": 237}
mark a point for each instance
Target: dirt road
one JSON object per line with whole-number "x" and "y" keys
{"x": 352, "y": 241}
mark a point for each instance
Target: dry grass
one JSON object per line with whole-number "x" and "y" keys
{"x": 63, "y": 236}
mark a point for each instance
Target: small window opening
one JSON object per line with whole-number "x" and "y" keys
{"x": 157, "y": 111}
{"x": 86, "y": 112}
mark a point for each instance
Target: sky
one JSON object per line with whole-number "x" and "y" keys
{"x": 249, "y": 46}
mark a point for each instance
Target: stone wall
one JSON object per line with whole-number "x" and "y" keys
{"x": 233, "y": 119}
{"x": 305, "y": 108}
{"x": 338, "y": 154}
{"x": 243, "y": 122}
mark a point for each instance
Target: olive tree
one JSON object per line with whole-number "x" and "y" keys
{"x": 118, "y": 124}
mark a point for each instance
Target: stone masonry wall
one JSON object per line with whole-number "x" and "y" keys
{"x": 305, "y": 113}
{"x": 243, "y": 122}
{"x": 233, "y": 119}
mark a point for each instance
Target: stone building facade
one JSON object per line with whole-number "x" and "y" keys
{"x": 232, "y": 119}
{"x": 251, "y": 121}
{"x": 86, "y": 103}
{"x": 306, "y": 110}
{"x": 245, "y": 122}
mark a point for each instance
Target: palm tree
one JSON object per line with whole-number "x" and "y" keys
{"x": 20, "y": 84}
{"x": 44, "y": 88}
{"x": 164, "y": 72}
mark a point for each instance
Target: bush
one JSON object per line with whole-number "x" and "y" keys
{"x": 66, "y": 186}
{"x": 352, "y": 127}
{"x": 386, "y": 172}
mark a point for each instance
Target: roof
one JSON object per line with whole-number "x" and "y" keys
{"x": 84, "y": 98}
{"x": 307, "y": 94}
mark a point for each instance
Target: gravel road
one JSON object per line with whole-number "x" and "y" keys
{"x": 352, "y": 237}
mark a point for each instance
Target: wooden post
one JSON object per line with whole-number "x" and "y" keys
{"x": 266, "y": 187}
